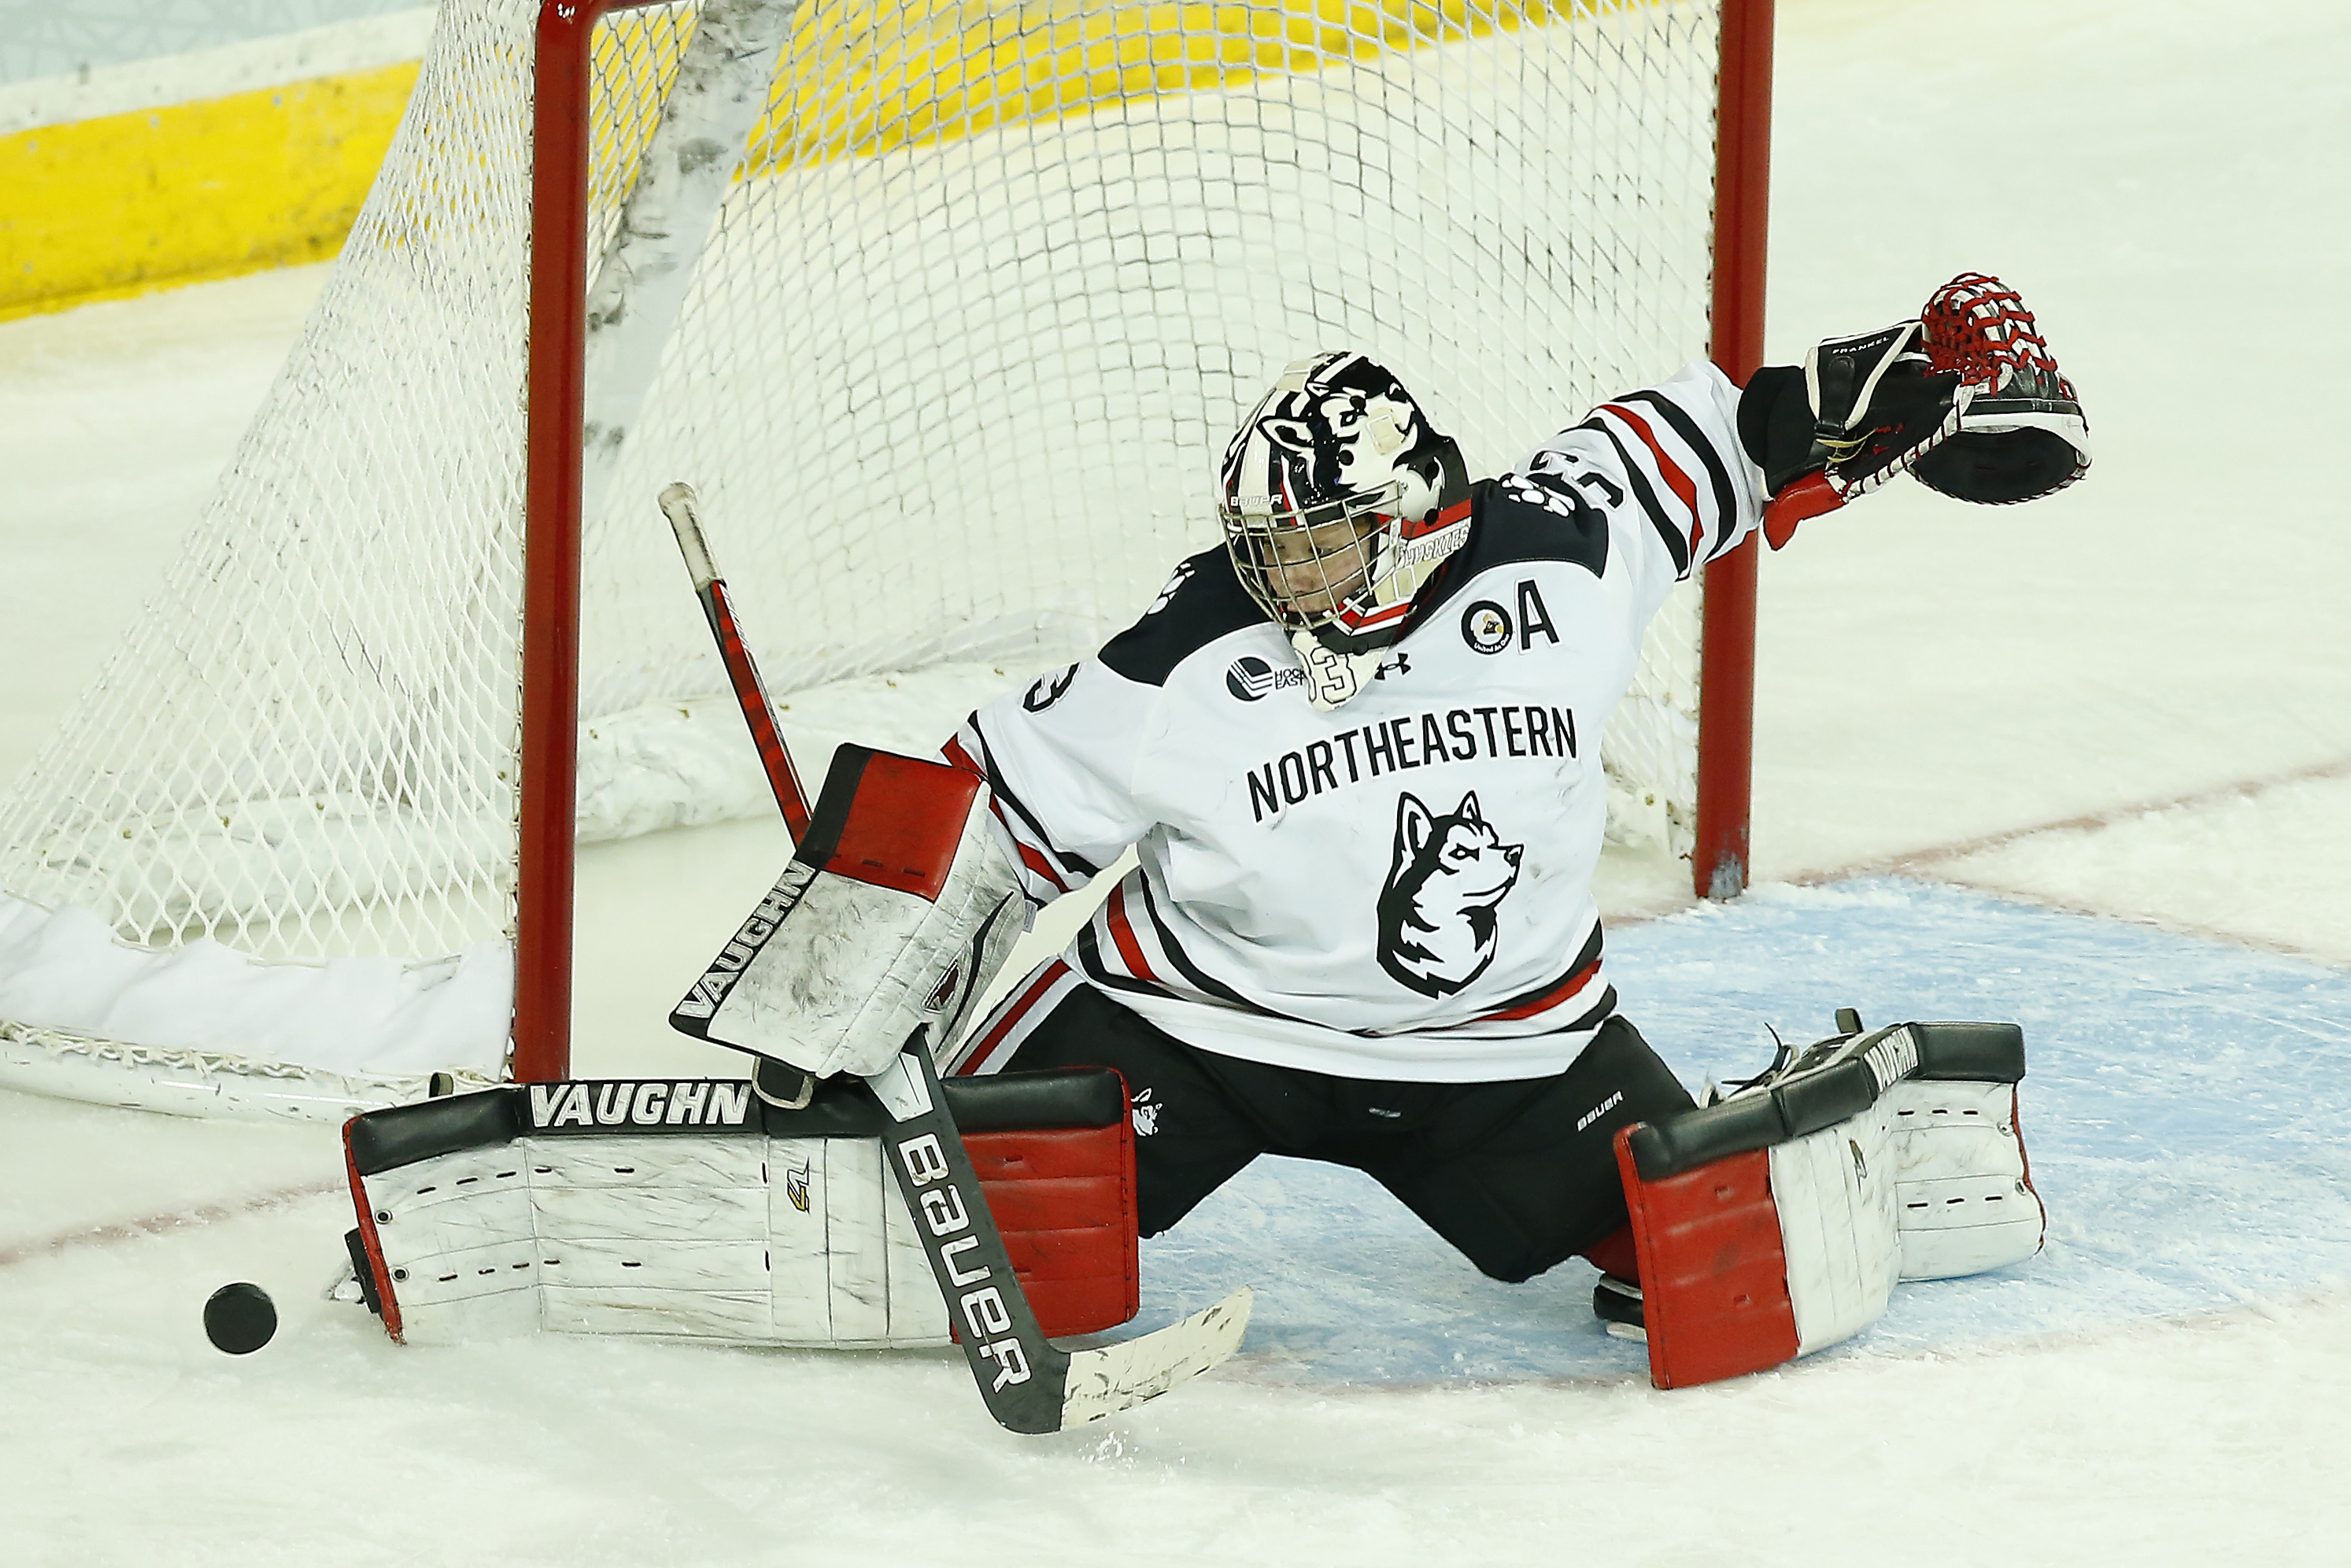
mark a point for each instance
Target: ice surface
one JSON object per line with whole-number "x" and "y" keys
{"x": 2169, "y": 1383}
{"x": 2183, "y": 1114}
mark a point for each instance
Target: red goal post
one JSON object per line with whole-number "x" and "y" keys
{"x": 1719, "y": 859}
{"x": 556, "y": 395}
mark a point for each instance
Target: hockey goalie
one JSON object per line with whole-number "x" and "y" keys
{"x": 1356, "y": 750}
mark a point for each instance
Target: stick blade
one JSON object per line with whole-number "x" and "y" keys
{"x": 1120, "y": 1376}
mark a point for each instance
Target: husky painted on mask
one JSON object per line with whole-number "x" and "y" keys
{"x": 1437, "y": 911}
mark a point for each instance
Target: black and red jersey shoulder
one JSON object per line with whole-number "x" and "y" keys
{"x": 1520, "y": 517}
{"x": 1203, "y": 601}
{"x": 1523, "y": 517}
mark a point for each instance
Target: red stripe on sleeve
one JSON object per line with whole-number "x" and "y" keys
{"x": 958, "y": 756}
{"x": 1122, "y": 933}
{"x": 1679, "y": 481}
{"x": 977, "y": 1057}
{"x": 955, "y": 753}
{"x": 1030, "y": 856}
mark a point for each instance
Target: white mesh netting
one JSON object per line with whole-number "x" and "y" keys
{"x": 983, "y": 301}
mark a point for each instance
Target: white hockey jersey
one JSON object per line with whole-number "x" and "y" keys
{"x": 1399, "y": 888}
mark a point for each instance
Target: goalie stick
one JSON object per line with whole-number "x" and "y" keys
{"x": 750, "y": 691}
{"x": 1029, "y": 1383}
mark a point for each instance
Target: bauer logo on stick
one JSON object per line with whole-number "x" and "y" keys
{"x": 982, "y": 1312}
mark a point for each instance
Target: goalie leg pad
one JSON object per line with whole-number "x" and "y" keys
{"x": 1754, "y": 1259}
{"x": 898, "y": 907}
{"x": 1714, "y": 1298}
{"x": 1766, "y": 1224}
{"x": 1965, "y": 1197}
{"x": 1776, "y": 1222}
{"x": 578, "y": 1208}
{"x": 1964, "y": 1194}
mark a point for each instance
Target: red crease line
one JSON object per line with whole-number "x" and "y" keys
{"x": 2093, "y": 822}
{"x": 164, "y": 1224}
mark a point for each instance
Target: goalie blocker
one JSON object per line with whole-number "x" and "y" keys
{"x": 693, "y": 1208}
{"x": 1776, "y": 1222}
{"x": 899, "y": 904}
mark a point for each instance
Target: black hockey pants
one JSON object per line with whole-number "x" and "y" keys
{"x": 1519, "y": 1174}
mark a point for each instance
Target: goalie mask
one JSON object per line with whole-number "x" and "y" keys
{"x": 1338, "y": 501}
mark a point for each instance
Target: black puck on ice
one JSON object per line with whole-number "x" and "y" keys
{"x": 240, "y": 1317}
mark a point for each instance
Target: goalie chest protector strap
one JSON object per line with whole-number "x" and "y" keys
{"x": 691, "y": 1207}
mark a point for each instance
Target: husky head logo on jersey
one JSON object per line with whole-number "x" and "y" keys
{"x": 1437, "y": 913}
{"x": 1338, "y": 500}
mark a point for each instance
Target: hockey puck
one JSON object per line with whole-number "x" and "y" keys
{"x": 240, "y": 1317}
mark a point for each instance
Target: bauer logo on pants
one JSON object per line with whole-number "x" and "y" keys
{"x": 659, "y": 1105}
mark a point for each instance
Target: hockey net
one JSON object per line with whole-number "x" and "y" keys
{"x": 987, "y": 288}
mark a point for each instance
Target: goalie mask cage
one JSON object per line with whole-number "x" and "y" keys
{"x": 946, "y": 309}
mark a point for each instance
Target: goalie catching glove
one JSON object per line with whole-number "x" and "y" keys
{"x": 898, "y": 907}
{"x": 1968, "y": 397}
{"x": 2022, "y": 435}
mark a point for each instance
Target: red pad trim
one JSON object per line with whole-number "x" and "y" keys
{"x": 372, "y": 1244}
{"x": 2016, "y": 1120}
{"x": 1064, "y": 1199}
{"x": 1031, "y": 1155}
{"x": 1065, "y": 1307}
{"x": 1063, "y": 1196}
{"x": 1078, "y": 1249}
{"x": 1714, "y": 1273}
{"x": 904, "y": 822}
